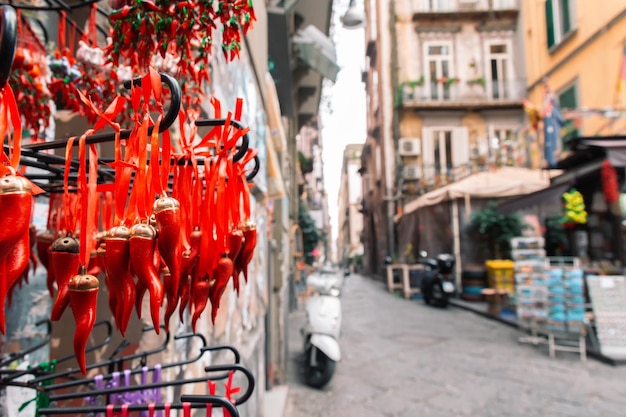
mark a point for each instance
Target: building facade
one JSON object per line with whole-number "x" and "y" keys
{"x": 445, "y": 88}
{"x": 350, "y": 218}
{"x": 578, "y": 49}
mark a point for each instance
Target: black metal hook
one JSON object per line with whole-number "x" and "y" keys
{"x": 87, "y": 381}
{"x": 196, "y": 401}
{"x": 46, "y": 340}
{"x": 241, "y": 149}
{"x": 109, "y": 362}
{"x": 107, "y": 339}
{"x": 162, "y": 384}
{"x": 8, "y": 39}
{"x": 235, "y": 367}
{"x": 257, "y": 165}
{"x": 168, "y": 120}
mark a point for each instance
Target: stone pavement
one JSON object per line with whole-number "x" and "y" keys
{"x": 401, "y": 358}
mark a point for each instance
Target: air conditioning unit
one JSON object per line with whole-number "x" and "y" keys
{"x": 468, "y": 5}
{"x": 412, "y": 172}
{"x": 409, "y": 146}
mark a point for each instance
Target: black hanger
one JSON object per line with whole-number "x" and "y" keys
{"x": 107, "y": 363}
{"x": 168, "y": 120}
{"x": 39, "y": 369}
{"x": 234, "y": 367}
{"x": 87, "y": 381}
{"x": 8, "y": 39}
{"x": 196, "y": 401}
{"x": 163, "y": 384}
{"x": 15, "y": 356}
{"x": 241, "y": 149}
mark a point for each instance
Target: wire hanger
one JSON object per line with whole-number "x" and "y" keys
{"x": 193, "y": 401}
{"x": 203, "y": 349}
{"x": 112, "y": 361}
{"x": 164, "y": 384}
{"x": 168, "y": 120}
{"x": 19, "y": 355}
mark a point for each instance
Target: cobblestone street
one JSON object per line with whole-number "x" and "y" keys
{"x": 401, "y": 358}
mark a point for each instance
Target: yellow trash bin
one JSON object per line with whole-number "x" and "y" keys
{"x": 500, "y": 274}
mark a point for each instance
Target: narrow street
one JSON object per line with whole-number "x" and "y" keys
{"x": 401, "y": 358}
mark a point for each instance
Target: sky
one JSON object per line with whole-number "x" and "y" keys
{"x": 343, "y": 111}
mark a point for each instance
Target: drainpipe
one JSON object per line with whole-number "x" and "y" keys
{"x": 387, "y": 75}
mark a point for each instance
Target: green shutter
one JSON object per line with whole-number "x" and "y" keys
{"x": 568, "y": 100}
{"x": 549, "y": 23}
{"x": 566, "y": 17}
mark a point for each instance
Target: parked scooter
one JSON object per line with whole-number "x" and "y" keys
{"x": 323, "y": 326}
{"x": 438, "y": 279}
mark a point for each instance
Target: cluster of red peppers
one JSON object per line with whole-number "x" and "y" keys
{"x": 177, "y": 245}
{"x": 29, "y": 78}
{"x": 183, "y": 29}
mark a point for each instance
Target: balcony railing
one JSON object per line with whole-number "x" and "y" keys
{"x": 460, "y": 91}
{"x": 434, "y": 177}
{"x": 455, "y": 6}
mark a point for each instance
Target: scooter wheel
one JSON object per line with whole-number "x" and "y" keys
{"x": 319, "y": 375}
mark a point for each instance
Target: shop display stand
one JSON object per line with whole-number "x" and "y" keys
{"x": 531, "y": 296}
{"x": 566, "y": 300}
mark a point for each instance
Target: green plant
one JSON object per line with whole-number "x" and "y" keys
{"x": 477, "y": 81}
{"x": 496, "y": 230}
{"x": 306, "y": 164}
{"x": 415, "y": 83}
{"x": 310, "y": 234}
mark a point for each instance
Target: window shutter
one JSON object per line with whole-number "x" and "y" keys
{"x": 550, "y": 23}
{"x": 460, "y": 149}
{"x": 428, "y": 153}
{"x": 566, "y": 16}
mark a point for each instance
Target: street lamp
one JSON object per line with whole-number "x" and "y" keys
{"x": 354, "y": 17}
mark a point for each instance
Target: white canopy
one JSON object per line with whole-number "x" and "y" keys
{"x": 502, "y": 182}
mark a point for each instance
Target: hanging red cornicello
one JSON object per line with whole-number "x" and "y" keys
{"x": 609, "y": 182}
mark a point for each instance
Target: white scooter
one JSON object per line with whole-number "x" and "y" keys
{"x": 323, "y": 326}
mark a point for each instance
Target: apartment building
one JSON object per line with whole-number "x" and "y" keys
{"x": 350, "y": 219}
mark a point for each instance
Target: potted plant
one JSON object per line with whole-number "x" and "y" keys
{"x": 408, "y": 87}
{"x": 480, "y": 81}
{"x": 495, "y": 230}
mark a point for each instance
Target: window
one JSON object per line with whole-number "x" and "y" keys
{"x": 559, "y": 20}
{"x": 499, "y": 68}
{"x": 435, "y": 5}
{"x": 568, "y": 100}
{"x": 438, "y": 62}
{"x": 502, "y": 147}
{"x": 444, "y": 151}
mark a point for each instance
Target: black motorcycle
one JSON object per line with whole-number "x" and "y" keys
{"x": 437, "y": 284}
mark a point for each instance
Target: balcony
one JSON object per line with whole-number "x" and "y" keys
{"x": 458, "y": 94}
{"x": 461, "y": 9}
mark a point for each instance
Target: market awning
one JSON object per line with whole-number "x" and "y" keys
{"x": 317, "y": 51}
{"x": 502, "y": 182}
{"x": 551, "y": 193}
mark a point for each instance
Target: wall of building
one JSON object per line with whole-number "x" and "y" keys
{"x": 589, "y": 57}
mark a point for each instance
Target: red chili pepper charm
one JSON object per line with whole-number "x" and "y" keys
{"x": 117, "y": 268}
{"x": 222, "y": 273}
{"x": 247, "y": 250}
{"x": 142, "y": 247}
{"x": 168, "y": 218}
{"x": 64, "y": 262}
{"x": 201, "y": 289}
{"x": 17, "y": 201}
{"x": 83, "y": 295}
{"x": 236, "y": 244}
{"x": 17, "y": 264}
